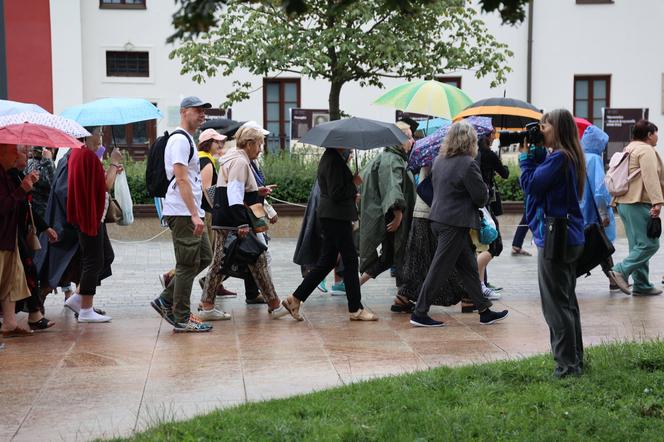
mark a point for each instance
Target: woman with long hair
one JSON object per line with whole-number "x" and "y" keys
{"x": 553, "y": 183}
{"x": 643, "y": 200}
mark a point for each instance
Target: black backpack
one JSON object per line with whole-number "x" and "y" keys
{"x": 156, "y": 180}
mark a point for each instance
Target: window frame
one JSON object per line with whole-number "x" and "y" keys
{"x": 283, "y": 135}
{"x": 137, "y": 151}
{"x": 122, "y": 5}
{"x": 591, "y": 92}
{"x": 127, "y": 74}
{"x": 594, "y": 2}
{"x": 448, "y": 79}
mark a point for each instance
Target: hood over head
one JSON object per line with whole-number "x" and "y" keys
{"x": 594, "y": 140}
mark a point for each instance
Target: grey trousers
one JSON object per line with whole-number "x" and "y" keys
{"x": 454, "y": 250}
{"x": 557, "y": 284}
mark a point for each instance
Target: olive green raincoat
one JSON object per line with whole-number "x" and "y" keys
{"x": 387, "y": 184}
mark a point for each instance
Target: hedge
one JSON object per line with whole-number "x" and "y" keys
{"x": 294, "y": 175}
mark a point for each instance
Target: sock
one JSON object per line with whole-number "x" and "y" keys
{"x": 74, "y": 301}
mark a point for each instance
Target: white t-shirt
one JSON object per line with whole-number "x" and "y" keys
{"x": 177, "y": 152}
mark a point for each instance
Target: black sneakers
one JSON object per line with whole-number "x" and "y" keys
{"x": 488, "y": 317}
{"x": 424, "y": 321}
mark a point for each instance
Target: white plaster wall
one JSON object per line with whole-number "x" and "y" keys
{"x": 620, "y": 39}
{"x": 67, "y": 70}
{"x": 623, "y": 39}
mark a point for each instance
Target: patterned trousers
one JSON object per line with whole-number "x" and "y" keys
{"x": 259, "y": 270}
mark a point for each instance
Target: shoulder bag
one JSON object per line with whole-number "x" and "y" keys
{"x": 32, "y": 239}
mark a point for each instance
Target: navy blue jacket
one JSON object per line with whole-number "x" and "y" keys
{"x": 550, "y": 187}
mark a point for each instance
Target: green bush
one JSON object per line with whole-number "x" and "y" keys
{"x": 294, "y": 175}
{"x": 510, "y": 189}
{"x": 135, "y": 171}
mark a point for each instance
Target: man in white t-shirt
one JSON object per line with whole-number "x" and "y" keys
{"x": 183, "y": 213}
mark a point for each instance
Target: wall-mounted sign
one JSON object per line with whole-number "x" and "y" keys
{"x": 215, "y": 112}
{"x": 618, "y": 124}
{"x": 304, "y": 119}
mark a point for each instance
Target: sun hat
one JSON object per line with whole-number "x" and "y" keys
{"x": 211, "y": 134}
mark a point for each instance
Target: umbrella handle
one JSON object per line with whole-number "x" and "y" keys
{"x": 357, "y": 169}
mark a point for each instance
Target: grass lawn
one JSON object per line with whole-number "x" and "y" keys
{"x": 620, "y": 397}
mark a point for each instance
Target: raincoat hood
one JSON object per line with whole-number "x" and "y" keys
{"x": 594, "y": 140}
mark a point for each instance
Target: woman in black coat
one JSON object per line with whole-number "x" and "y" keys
{"x": 336, "y": 211}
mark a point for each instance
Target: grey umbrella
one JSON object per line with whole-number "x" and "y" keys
{"x": 355, "y": 133}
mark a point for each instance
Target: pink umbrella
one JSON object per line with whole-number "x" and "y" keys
{"x": 37, "y": 135}
{"x": 582, "y": 124}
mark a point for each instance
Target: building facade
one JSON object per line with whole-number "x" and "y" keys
{"x": 584, "y": 55}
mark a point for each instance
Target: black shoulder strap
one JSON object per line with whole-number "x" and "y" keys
{"x": 592, "y": 198}
{"x": 188, "y": 137}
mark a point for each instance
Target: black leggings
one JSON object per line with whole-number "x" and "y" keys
{"x": 96, "y": 259}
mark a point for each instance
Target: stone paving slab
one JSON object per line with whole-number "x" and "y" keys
{"x": 82, "y": 381}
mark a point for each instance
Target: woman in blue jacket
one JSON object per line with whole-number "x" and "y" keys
{"x": 593, "y": 142}
{"x": 553, "y": 184}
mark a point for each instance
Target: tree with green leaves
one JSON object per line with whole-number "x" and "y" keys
{"x": 363, "y": 42}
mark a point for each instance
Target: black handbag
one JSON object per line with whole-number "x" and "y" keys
{"x": 654, "y": 229}
{"x": 497, "y": 204}
{"x": 425, "y": 190}
{"x": 597, "y": 247}
{"x": 242, "y": 250}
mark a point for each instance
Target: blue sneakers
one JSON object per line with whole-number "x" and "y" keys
{"x": 338, "y": 289}
{"x": 164, "y": 310}
{"x": 425, "y": 321}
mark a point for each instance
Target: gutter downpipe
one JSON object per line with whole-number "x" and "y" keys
{"x": 529, "y": 74}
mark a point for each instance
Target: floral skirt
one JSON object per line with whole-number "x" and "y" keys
{"x": 420, "y": 250}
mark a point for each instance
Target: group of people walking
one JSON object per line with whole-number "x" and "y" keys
{"x": 216, "y": 211}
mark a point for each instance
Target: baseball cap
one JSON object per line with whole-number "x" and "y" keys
{"x": 251, "y": 124}
{"x": 194, "y": 102}
{"x": 211, "y": 134}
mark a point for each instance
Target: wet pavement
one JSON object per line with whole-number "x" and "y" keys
{"x": 81, "y": 381}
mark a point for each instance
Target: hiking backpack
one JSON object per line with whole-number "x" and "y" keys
{"x": 618, "y": 177}
{"x": 156, "y": 180}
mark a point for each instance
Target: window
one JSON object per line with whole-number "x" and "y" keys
{"x": 122, "y": 4}
{"x": 127, "y": 64}
{"x": 454, "y": 81}
{"x": 135, "y": 138}
{"x": 279, "y": 96}
{"x": 591, "y": 94}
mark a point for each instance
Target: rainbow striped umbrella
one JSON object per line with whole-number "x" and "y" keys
{"x": 428, "y": 97}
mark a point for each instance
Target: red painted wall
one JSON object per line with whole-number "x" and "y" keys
{"x": 28, "y": 41}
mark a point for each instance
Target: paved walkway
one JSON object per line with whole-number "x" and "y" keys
{"x": 80, "y": 381}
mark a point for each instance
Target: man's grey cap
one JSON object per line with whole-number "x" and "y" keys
{"x": 194, "y": 102}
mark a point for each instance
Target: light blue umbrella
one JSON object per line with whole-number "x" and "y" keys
{"x": 430, "y": 126}
{"x": 8, "y": 107}
{"x": 112, "y": 112}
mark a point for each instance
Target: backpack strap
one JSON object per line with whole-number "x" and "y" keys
{"x": 191, "y": 149}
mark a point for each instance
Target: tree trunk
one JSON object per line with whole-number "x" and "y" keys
{"x": 335, "y": 92}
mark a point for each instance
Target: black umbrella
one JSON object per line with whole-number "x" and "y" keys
{"x": 223, "y": 125}
{"x": 355, "y": 133}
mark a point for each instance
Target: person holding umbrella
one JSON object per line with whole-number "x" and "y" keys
{"x": 459, "y": 192}
{"x": 336, "y": 212}
{"x": 13, "y": 284}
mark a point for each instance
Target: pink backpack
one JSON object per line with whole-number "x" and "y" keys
{"x": 618, "y": 177}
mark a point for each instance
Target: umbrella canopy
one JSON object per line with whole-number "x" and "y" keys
{"x": 354, "y": 133}
{"x": 66, "y": 125}
{"x": 506, "y": 113}
{"x": 8, "y": 107}
{"x": 430, "y": 126}
{"x": 426, "y": 97}
{"x": 36, "y": 135}
{"x": 582, "y": 124}
{"x": 112, "y": 111}
{"x": 425, "y": 150}
{"x": 223, "y": 125}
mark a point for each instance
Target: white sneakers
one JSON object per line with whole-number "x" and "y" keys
{"x": 490, "y": 294}
{"x": 73, "y": 303}
{"x": 213, "y": 314}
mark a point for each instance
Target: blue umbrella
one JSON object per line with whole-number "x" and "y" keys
{"x": 430, "y": 126}
{"x": 8, "y": 107}
{"x": 112, "y": 112}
